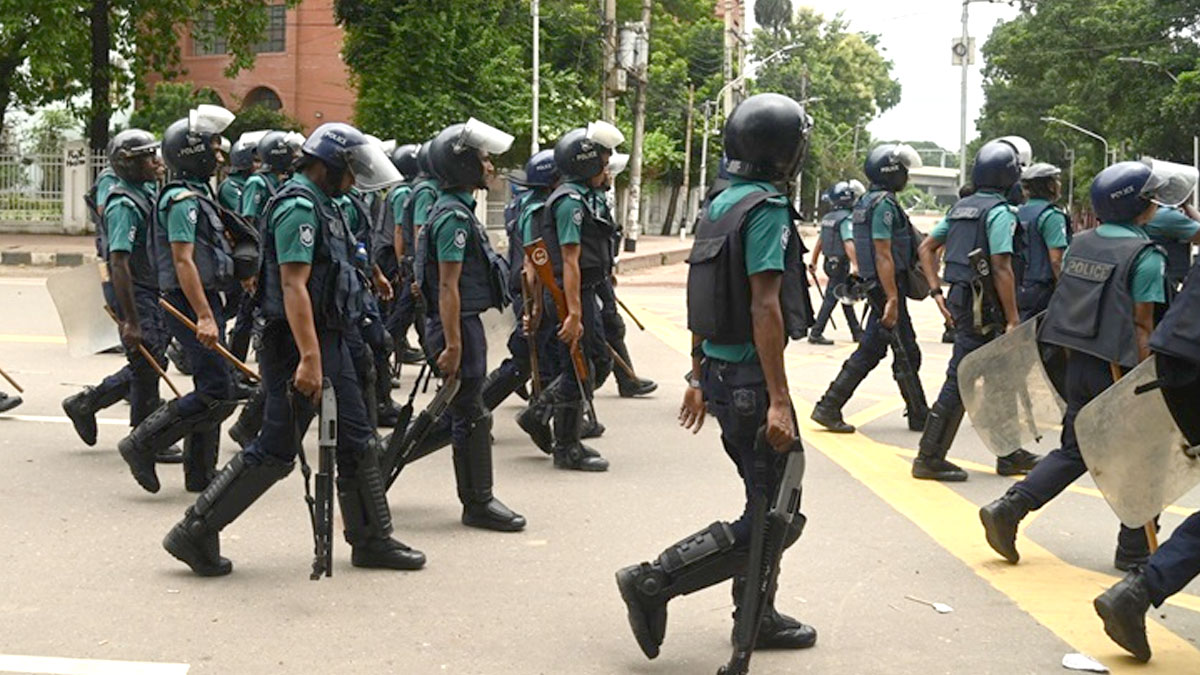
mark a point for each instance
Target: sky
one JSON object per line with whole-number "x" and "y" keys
{"x": 916, "y": 36}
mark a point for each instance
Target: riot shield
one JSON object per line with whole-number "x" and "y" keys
{"x": 80, "y": 303}
{"x": 1133, "y": 447}
{"x": 1007, "y": 393}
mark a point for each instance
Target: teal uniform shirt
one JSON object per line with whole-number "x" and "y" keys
{"x": 763, "y": 241}
{"x": 1052, "y": 224}
{"x": 229, "y": 194}
{"x": 296, "y": 223}
{"x": 451, "y": 230}
{"x": 182, "y": 215}
{"x": 349, "y": 213}
{"x": 396, "y": 199}
{"x": 884, "y": 218}
{"x": 104, "y": 185}
{"x": 846, "y": 228}
{"x": 529, "y": 204}
{"x": 1172, "y": 224}
{"x": 1001, "y": 225}
{"x": 256, "y": 192}
{"x": 423, "y": 205}
{"x": 127, "y": 228}
{"x": 568, "y": 215}
{"x": 1148, "y": 283}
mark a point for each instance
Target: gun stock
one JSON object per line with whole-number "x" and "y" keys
{"x": 404, "y": 449}
{"x": 323, "y": 509}
{"x": 539, "y": 255}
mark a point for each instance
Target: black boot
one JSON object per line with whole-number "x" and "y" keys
{"x": 82, "y": 409}
{"x": 249, "y": 421}
{"x": 627, "y": 385}
{"x": 408, "y": 354}
{"x": 169, "y": 455}
{"x": 200, "y": 450}
{"x": 699, "y": 561}
{"x": 828, "y": 412}
{"x": 8, "y": 402}
{"x": 569, "y": 452}
{"x": 1123, "y": 609}
{"x": 502, "y": 382}
{"x": 1018, "y": 463}
{"x": 535, "y": 420}
{"x": 1133, "y": 550}
{"x": 818, "y": 339}
{"x": 776, "y": 631}
{"x": 473, "y": 472}
{"x": 1000, "y": 519}
{"x": 592, "y": 427}
{"x": 195, "y": 540}
{"x": 163, "y": 427}
{"x": 387, "y": 412}
{"x": 368, "y": 521}
{"x": 940, "y": 429}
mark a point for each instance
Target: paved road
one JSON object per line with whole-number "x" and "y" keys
{"x": 84, "y": 576}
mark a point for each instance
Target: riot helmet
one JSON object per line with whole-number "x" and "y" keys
{"x": 1123, "y": 191}
{"x": 997, "y": 167}
{"x": 888, "y": 164}
{"x": 245, "y": 151}
{"x": 404, "y": 158}
{"x": 125, "y": 152}
{"x": 190, "y": 145}
{"x": 456, "y": 154}
{"x": 341, "y": 147}
{"x": 583, "y": 153}
{"x": 845, "y": 193}
{"x": 766, "y": 137}
{"x": 276, "y": 152}
{"x": 423, "y": 159}
{"x": 1022, "y": 147}
{"x": 540, "y": 170}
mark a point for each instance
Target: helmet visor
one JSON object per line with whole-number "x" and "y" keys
{"x": 389, "y": 146}
{"x": 371, "y": 167}
{"x": 485, "y": 137}
{"x": 1023, "y": 148}
{"x": 857, "y": 188}
{"x": 604, "y": 133}
{"x": 209, "y": 119}
{"x": 1170, "y": 184}
{"x": 906, "y": 155}
{"x": 294, "y": 139}
{"x": 251, "y": 139}
{"x": 617, "y": 163}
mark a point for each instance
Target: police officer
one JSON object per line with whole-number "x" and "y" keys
{"x": 628, "y": 386}
{"x": 308, "y": 279}
{"x": 538, "y": 179}
{"x": 276, "y": 153}
{"x": 194, "y": 263}
{"x": 579, "y": 244}
{"x": 461, "y": 277}
{"x": 243, "y": 162}
{"x": 394, "y": 254}
{"x": 1041, "y": 239}
{"x": 837, "y": 243}
{"x": 883, "y": 244}
{"x": 1175, "y": 230}
{"x": 1117, "y": 321}
{"x": 738, "y": 312}
{"x": 1176, "y": 347}
{"x": 124, "y": 231}
{"x": 982, "y": 221}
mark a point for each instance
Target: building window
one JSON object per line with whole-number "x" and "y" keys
{"x": 207, "y": 40}
{"x": 264, "y": 97}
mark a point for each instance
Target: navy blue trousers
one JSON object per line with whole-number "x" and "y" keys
{"x": 827, "y": 306}
{"x": 1176, "y": 562}
{"x": 210, "y": 372}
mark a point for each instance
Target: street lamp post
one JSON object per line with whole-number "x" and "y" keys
{"x": 1069, "y": 152}
{"x": 965, "y": 62}
{"x": 1195, "y": 138}
{"x": 1076, "y": 127}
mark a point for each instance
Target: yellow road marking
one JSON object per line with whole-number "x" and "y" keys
{"x": 33, "y": 339}
{"x": 1057, "y": 595}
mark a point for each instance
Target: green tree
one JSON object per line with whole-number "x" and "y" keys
{"x": 169, "y": 102}
{"x": 773, "y": 15}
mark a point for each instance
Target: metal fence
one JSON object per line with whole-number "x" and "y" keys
{"x": 43, "y": 192}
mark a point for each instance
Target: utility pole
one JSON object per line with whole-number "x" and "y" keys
{"x": 609, "y": 114}
{"x": 704, "y": 152}
{"x": 537, "y": 64}
{"x": 727, "y": 64}
{"x": 639, "y": 129}
{"x": 962, "y": 129}
{"x": 686, "y": 211}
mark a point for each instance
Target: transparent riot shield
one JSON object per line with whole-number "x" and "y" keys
{"x": 80, "y": 303}
{"x": 1007, "y": 393}
{"x": 1133, "y": 448}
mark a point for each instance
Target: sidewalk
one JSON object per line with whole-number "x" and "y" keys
{"x": 53, "y": 250}
{"x": 654, "y": 251}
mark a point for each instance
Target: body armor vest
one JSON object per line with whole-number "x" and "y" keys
{"x": 864, "y": 245}
{"x": 333, "y": 284}
{"x": 484, "y": 280}
{"x": 595, "y": 255}
{"x": 383, "y": 240}
{"x": 968, "y": 231}
{"x": 212, "y": 251}
{"x": 141, "y": 263}
{"x": 718, "y": 290}
{"x": 831, "y": 234}
{"x": 533, "y": 203}
{"x": 1179, "y": 259}
{"x": 1032, "y": 262}
{"x": 1178, "y": 334}
{"x": 409, "y": 215}
{"x": 236, "y": 183}
{"x": 1092, "y": 308}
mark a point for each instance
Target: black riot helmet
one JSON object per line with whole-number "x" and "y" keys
{"x": 997, "y": 167}
{"x": 583, "y": 153}
{"x": 188, "y": 144}
{"x": 125, "y": 151}
{"x": 342, "y": 147}
{"x": 423, "y": 168}
{"x": 244, "y": 151}
{"x": 456, "y": 154}
{"x": 404, "y": 158}
{"x": 277, "y": 151}
{"x": 845, "y": 193}
{"x": 887, "y": 165}
{"x": 766, "y": 137}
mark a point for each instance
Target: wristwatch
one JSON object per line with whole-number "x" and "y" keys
{"x": 693, "y": 382}
{"x": 935, "y": 291}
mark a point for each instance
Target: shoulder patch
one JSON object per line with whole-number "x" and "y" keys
{"x": 307, "y": 234}
{"x": 460, "y": 239}
{"x": 577, "y": 217}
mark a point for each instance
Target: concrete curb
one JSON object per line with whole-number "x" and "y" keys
{"x": 45, "y": 258}
{"x": 631, "y": 262}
